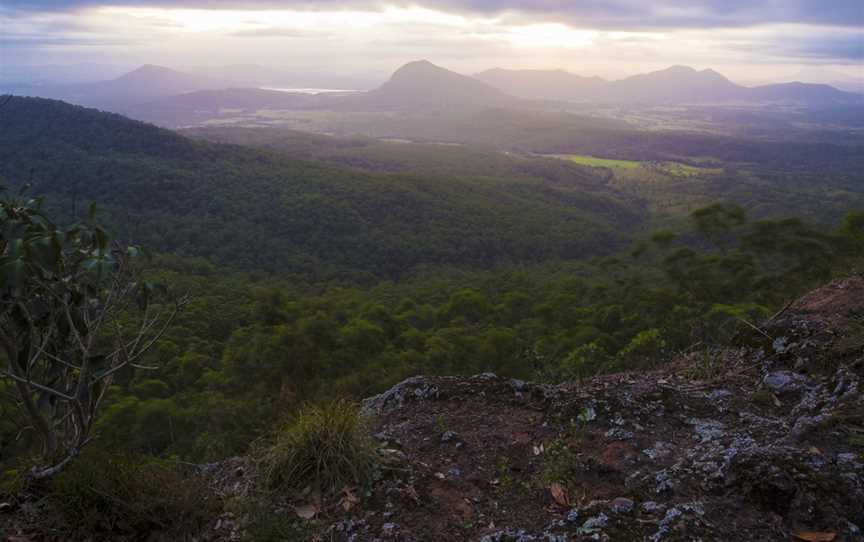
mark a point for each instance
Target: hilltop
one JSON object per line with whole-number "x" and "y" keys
{"x": 423, "y": 84}
{"x": 676, "y": 84}
{"x": 755, "y": 442}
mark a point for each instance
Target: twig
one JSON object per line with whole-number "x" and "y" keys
{"x": 781, "y": 311}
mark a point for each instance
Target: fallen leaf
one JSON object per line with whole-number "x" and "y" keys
{"x": 307, "y": 511}
{"x": 348, "y": 500}
{"x": 776, "y": 399}
{"x": 559, "y": 494}
{"x": 815, "y": 451}
{"x": 812, "y": 536}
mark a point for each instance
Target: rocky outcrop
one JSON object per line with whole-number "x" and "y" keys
{"x": 769, "y": 448}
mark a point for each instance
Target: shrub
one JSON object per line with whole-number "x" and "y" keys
{"x": 325, "y": 447}
{"x": 107, "y": 496}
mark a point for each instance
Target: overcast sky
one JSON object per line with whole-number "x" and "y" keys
{"x": 746, "y": 39}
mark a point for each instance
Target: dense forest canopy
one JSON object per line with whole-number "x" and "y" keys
{"x": 251, "y": 209}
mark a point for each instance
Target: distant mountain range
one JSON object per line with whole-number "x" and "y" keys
{"x": 174, "y": 98}
{"x": 143, "y": 84}
{"x": 678, "y": 84}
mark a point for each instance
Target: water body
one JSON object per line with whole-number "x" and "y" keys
{"x": 310, "y": 90}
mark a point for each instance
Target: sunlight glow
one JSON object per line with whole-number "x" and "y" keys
{"x": 551, "y": 36}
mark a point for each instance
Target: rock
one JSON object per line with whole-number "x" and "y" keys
{"x": 616, "y": 433}
{"x": 659, "y": 450}
{"x": 416, "y": 387}
{"x": 454, "y": 472}
{"x": 665, "y": 524}
{"x": 449, "y": 436}
{"x": 573, "y": 515}
{"x": 649, "y": 507}
{"x": 786, "y": 381}
{"x": 847, "y": 458}
{"x": 707, "y": 430}
{"x": 719, "y": 394}
{"x": 595, "y": 524}
{"x": 621, "y": 505}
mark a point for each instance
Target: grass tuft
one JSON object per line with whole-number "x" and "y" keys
{"x": 326, "y": 447}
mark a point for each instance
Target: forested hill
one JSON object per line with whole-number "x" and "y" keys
{"x": 258, "y": 210}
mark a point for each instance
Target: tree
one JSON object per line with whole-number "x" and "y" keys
{"x": 717, "y": 223}
{"x": 73, "y": 313}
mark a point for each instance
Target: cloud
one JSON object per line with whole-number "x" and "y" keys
{"x": 843, "y": 48}
{"x": 37, "y": 41}
{"x": 595, "y": 14}
{"x": 278, "y": 32}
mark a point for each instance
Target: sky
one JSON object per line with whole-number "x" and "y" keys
{"x": 748, "y": 40}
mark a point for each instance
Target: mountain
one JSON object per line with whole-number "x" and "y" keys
{"x": 143, "y": 84}
{"x": 415, "y": 87}
{"x": 677, "y": 84}
{"x": 543, "y": 84}
{"x": 150, "y": 80}
{"x": 837, "y": 79}
{"x": 802, "y": 92}
{"x": 423, "y": 85}
{"x": 252, "y": 209}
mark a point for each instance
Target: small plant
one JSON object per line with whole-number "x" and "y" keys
{"x": 504, "y": 474}
{"x": 561, "y": 462}
{"x": 109, "y": 496}
{"x": 440, "y": 424}
{"x": 706, "y": 364}
{"x": 326, "y": 447}
{"x": 561, "y": 458}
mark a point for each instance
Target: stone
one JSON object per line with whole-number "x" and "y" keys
{"x": 785, "y": 381}
{"x": 616, "y": 433}
{"x": 595, "y": 523}
{"x": 449, "y": 436}
{"x": 707, "y": 430}
{"x": 622, "y": 505}
{"x": 649, "y": 507}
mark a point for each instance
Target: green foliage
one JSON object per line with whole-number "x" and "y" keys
{"x": 583, "y": 362}
{"x": 249, "y": 209}
{"x": 66, "y": 295}
{"x": 643, "y": 351}
{"x": 110, "y": 496}
{"x": 325, "y": 447}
